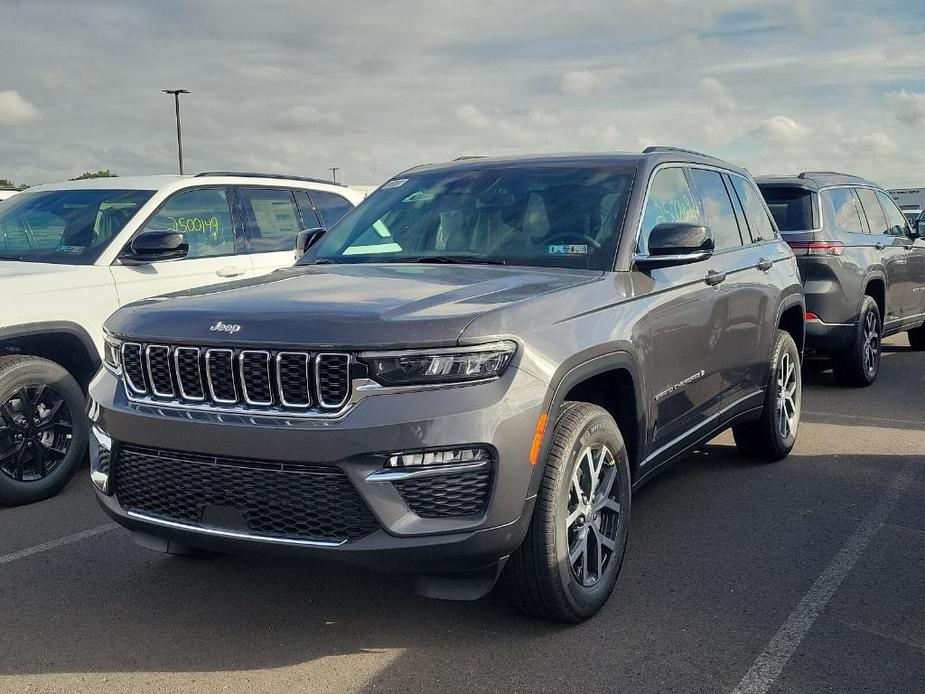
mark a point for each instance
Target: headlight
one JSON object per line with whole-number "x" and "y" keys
{"x": 112, "y": 355}
{"x": 456, "y": 365}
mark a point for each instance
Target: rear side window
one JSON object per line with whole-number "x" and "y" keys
{"x": 670, "y": 200}
{"x": 759, "y": 223}
{"x": 273, "y": 220}
{"x": 844, "y": 206}
{"x": 203, "y": 216}
{"x": 792, "y": 207}
{"x": 331, "y": 206}
{"x": 894, "y": 217}
{"x": 876, "y": 220}
{"x": 718, "y": 212}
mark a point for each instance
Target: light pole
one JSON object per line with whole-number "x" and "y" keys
{"x": 176, "y": 99}
{"x": 334, "y": 170}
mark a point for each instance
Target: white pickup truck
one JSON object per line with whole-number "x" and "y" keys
{"x": 72, "y": 253}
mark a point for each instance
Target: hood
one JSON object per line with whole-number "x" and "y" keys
{"x": 341, "y": 306}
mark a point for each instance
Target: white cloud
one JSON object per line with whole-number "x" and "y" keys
{"x": 14, "y": 109}
{"x": 578, "y": 82}
{"x": 910, "y": 108}
{"x": 781, "y": 129}
{"x": 307, "y": 115}
{"x": 717, "y": 93}
{"x": 472, "y": 116}
{"x": 870, "y": 144}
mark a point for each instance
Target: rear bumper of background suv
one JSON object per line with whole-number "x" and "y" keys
{"x": 319, "y": 487}
{"x": 828, "y": 337}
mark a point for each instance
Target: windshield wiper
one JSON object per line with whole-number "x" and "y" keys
{"x": 11, "y": 257}
{"x": 326, "y": 261}
{"x": 451, "y": 260}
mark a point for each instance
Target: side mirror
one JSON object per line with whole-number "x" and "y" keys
{"x": 152, "y": 246}
{"x": 919, "y": 230}
{"x": 306, "y": 239}
{"x": 677, "y": 243}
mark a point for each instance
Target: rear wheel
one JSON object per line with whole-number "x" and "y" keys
{"x": 859, "y": 364}
{"x": 568, "y": 564}
{"x": 43, "y": 429}
{"x": 772, "y": 435}
{"x": 917, "y": 338}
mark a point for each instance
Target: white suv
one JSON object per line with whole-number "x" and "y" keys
{"x": 72, "y": 253}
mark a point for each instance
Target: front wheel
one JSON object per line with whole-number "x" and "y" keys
{"x": 771, "y": 437}
{"x": 568, "y": 564}
{"x": 43, "y": 429}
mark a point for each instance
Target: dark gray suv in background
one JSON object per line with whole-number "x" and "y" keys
{"x": 863, "y": 267}
{"x": 465, "y": 378}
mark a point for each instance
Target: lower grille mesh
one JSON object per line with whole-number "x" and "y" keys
{"x": 274, "y": 500}
{"x": 446, "y": 496}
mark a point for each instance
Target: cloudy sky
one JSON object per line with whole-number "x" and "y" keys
{"x": 375, "y": 86}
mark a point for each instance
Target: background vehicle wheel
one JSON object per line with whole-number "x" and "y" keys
{"x": 568, "y": 564}
{"x": 859, "y": 364}
{"x": 917, "y": 338}
{"x": 43, "y": 429}
{"x": 771, "y": 437}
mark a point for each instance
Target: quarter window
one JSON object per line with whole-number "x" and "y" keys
{"x": 331, "y": 206}
{"x": 894, "y": 217}
{"x": 759, "y": 222}
{"x": 670, "y": 200}
{"x": 203, "y": 216}
{"x": 843, "y": 204}
{"x": 875, "y": 217}
{"x": 718, "y": 212}
{"x": 273, "y": 220}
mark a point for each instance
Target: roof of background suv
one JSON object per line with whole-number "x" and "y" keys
{"x": 161, "y": 181}
{"x": 815, "y": 180}
{"x": 649, "y": 158}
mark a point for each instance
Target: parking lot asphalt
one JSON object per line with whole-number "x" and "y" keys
{"x": 802, "y": 576}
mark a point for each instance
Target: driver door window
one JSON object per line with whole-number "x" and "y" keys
{"x": 203, "y": 216}
{"x": 670, "y": 200}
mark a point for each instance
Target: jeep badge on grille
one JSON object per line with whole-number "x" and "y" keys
{"x": 221, "y": 327}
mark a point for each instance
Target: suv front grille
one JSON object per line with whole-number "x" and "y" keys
{"x": 246, "y": 378}
{"x": 254, "y": 497}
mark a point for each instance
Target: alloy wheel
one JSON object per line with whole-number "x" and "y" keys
{"x": 871, "y": 349}
{"x": 593, "y": 516}
{"x": 788, "y": 405}
{"x": 35, "y": 433}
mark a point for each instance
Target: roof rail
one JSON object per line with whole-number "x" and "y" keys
{"x": 810, "y": 174}
{"x": 253, "y": 174}
{"x": 464, "y": 157}
{"x": 664, "y": 148}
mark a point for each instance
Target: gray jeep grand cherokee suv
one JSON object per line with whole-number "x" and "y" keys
{"x": 465, "y": 378}
{"x": 863, "y": 267}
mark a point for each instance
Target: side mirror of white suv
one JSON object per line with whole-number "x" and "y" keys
{"x": 152, "y": 246}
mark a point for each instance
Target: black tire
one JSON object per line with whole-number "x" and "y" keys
{"x": 38, "y": 458}
{"x": 539, "y": 577}
{"x": 764, "y": 438}
{"x": 859, "y": 363}
{"x": 917, "y": 338}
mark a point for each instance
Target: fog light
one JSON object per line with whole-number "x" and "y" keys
{"x": 100, "y": 454}
{"x": 450, "y": 456}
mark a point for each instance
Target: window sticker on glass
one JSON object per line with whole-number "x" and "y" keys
{"x": 70, "y": 250}
{"x": 188, "y": 224}
{"x": 568, "y": 249}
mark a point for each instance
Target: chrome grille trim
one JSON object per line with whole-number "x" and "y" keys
{"x": 142, "y": 389}
{"x": 176, "y": 362}
{"x": 266, "y": 360}
{"x": 279, "y": 380}
{"x": 319, "y": 358}
{"x": 148, "y": 350}
{"x": 234, "y": 386}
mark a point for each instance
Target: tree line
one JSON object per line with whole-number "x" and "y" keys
{"x": 102, "y": 173}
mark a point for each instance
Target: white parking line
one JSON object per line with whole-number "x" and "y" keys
{"x": 768, "y": 666}
{"x": 865, "y": 418}
{"x": 60, "y": 542}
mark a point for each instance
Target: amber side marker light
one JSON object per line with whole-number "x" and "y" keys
{"x": 538, "y": 438}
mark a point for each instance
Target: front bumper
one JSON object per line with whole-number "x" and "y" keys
{"x": 500, "y": 415}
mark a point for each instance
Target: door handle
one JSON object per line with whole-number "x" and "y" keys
{"x": 229, "y": 272}
{"x": 879, "y": 246}
{"x": 714, "y": 278}
{"x": 764, "y": 265}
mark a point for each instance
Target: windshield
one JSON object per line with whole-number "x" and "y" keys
{"x": 791, "y": 206}
{"x": 563, "y": 216}
{"x": 65, "y": 226}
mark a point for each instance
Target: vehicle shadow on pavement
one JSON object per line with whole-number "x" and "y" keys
{"x": 710, "y": 569}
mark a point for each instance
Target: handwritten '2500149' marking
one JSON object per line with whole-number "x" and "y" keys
{"x": 188, "y": 224}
